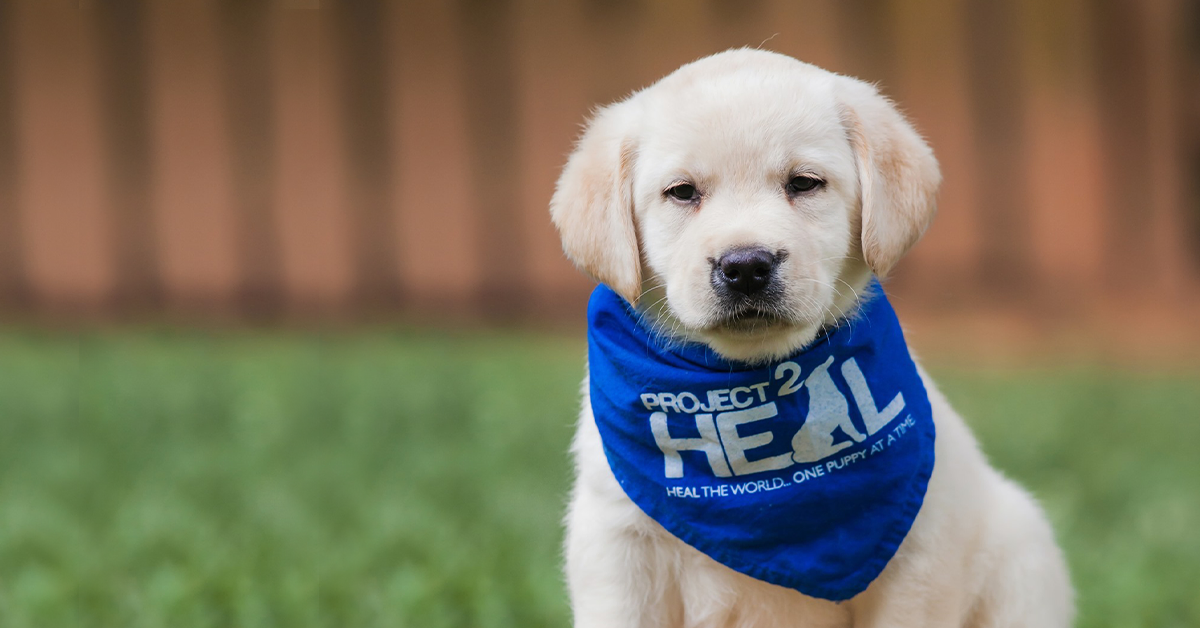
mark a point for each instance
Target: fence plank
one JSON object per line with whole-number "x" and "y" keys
{"x": 1166, "y": 48}
{"x": 246, "y": 44}
{"x": 1064, "y": 164}
{"x": 14, "y": 285}
{"x": 996, "y": 82}
{"x": 432, "y": 188}
{"x": 931, "y": 86}
{"x": 311, "y": 208}
{"x": 364, "y": 113}
{"x": 121, "y": 26}
{"x": 556, "y": 79}
{"x": 65, "y": 226}
{"x": 486, "y": 30}
{"x": 193, "y": 187}
{"x": 1121, "y": 52}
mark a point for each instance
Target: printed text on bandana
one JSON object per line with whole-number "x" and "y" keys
{"x": 723, "y": 415}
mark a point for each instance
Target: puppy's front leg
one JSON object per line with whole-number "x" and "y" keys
{"x": 928, "y": 583}
{"x": 619, "y": 570}
{"x": 615, "y": 569}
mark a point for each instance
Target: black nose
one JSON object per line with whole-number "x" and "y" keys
{"x": 746, "y": 270}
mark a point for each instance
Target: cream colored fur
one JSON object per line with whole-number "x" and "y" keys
{"x": 737, "y": 126}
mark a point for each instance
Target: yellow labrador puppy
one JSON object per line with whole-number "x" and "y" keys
{"x": 756, "y": 446}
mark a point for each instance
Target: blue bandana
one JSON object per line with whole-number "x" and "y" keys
{"x": 806, "y": 473}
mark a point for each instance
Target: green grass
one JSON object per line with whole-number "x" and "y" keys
{"x": 373, "y": 479}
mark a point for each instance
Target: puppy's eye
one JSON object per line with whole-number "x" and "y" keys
{"x": 683, "y": 192}
{"x": 802, "y": 183}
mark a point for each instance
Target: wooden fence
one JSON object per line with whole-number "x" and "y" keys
{"x": 332, "y": 159}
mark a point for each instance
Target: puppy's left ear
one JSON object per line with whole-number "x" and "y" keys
{"x": 897, "y": 173}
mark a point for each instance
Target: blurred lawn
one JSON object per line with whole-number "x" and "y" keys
{"x": 373, "y": 479}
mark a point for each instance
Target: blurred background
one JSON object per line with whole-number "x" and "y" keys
{"x": 287, "y": 338}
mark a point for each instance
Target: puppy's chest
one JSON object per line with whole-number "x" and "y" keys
{"x": 714, "y": 596}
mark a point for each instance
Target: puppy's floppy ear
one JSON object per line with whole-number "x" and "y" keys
{"x": 897, "y": 172}
{"x": 592, "y": 205}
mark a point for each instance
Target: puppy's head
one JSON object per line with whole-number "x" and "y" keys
{"x": 745, "y": 199}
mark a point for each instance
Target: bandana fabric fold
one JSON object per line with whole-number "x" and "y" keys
{"x": 806, "y": 472}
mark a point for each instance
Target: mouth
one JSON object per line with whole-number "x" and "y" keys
{"x": 750, "y": 318}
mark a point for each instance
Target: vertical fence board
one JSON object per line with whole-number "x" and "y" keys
{"x": 364, "y": 113}
{"x": 1170, "y": 267}
{"x": 931, "y": 87}
{"x": 14, "y": 285}
{"x": 193, "y": 191}
{"x": 65, "y": 225}
{"x": 996, "y": 82}
{"x": 433, "y": 188}
{"x": 487, "y": 35}
{"x": 554, "y": 83}
{"x": 246, "y": 46}
{"x": 121, "y": 43}
{"x": 310, "y": 184}
{"x": 1121, "y": 56}
{"x": 1063, "y": 165}
{"x": 1188, "y": 142}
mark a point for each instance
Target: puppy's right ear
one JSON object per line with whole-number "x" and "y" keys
{"x": 592, "y": 205}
